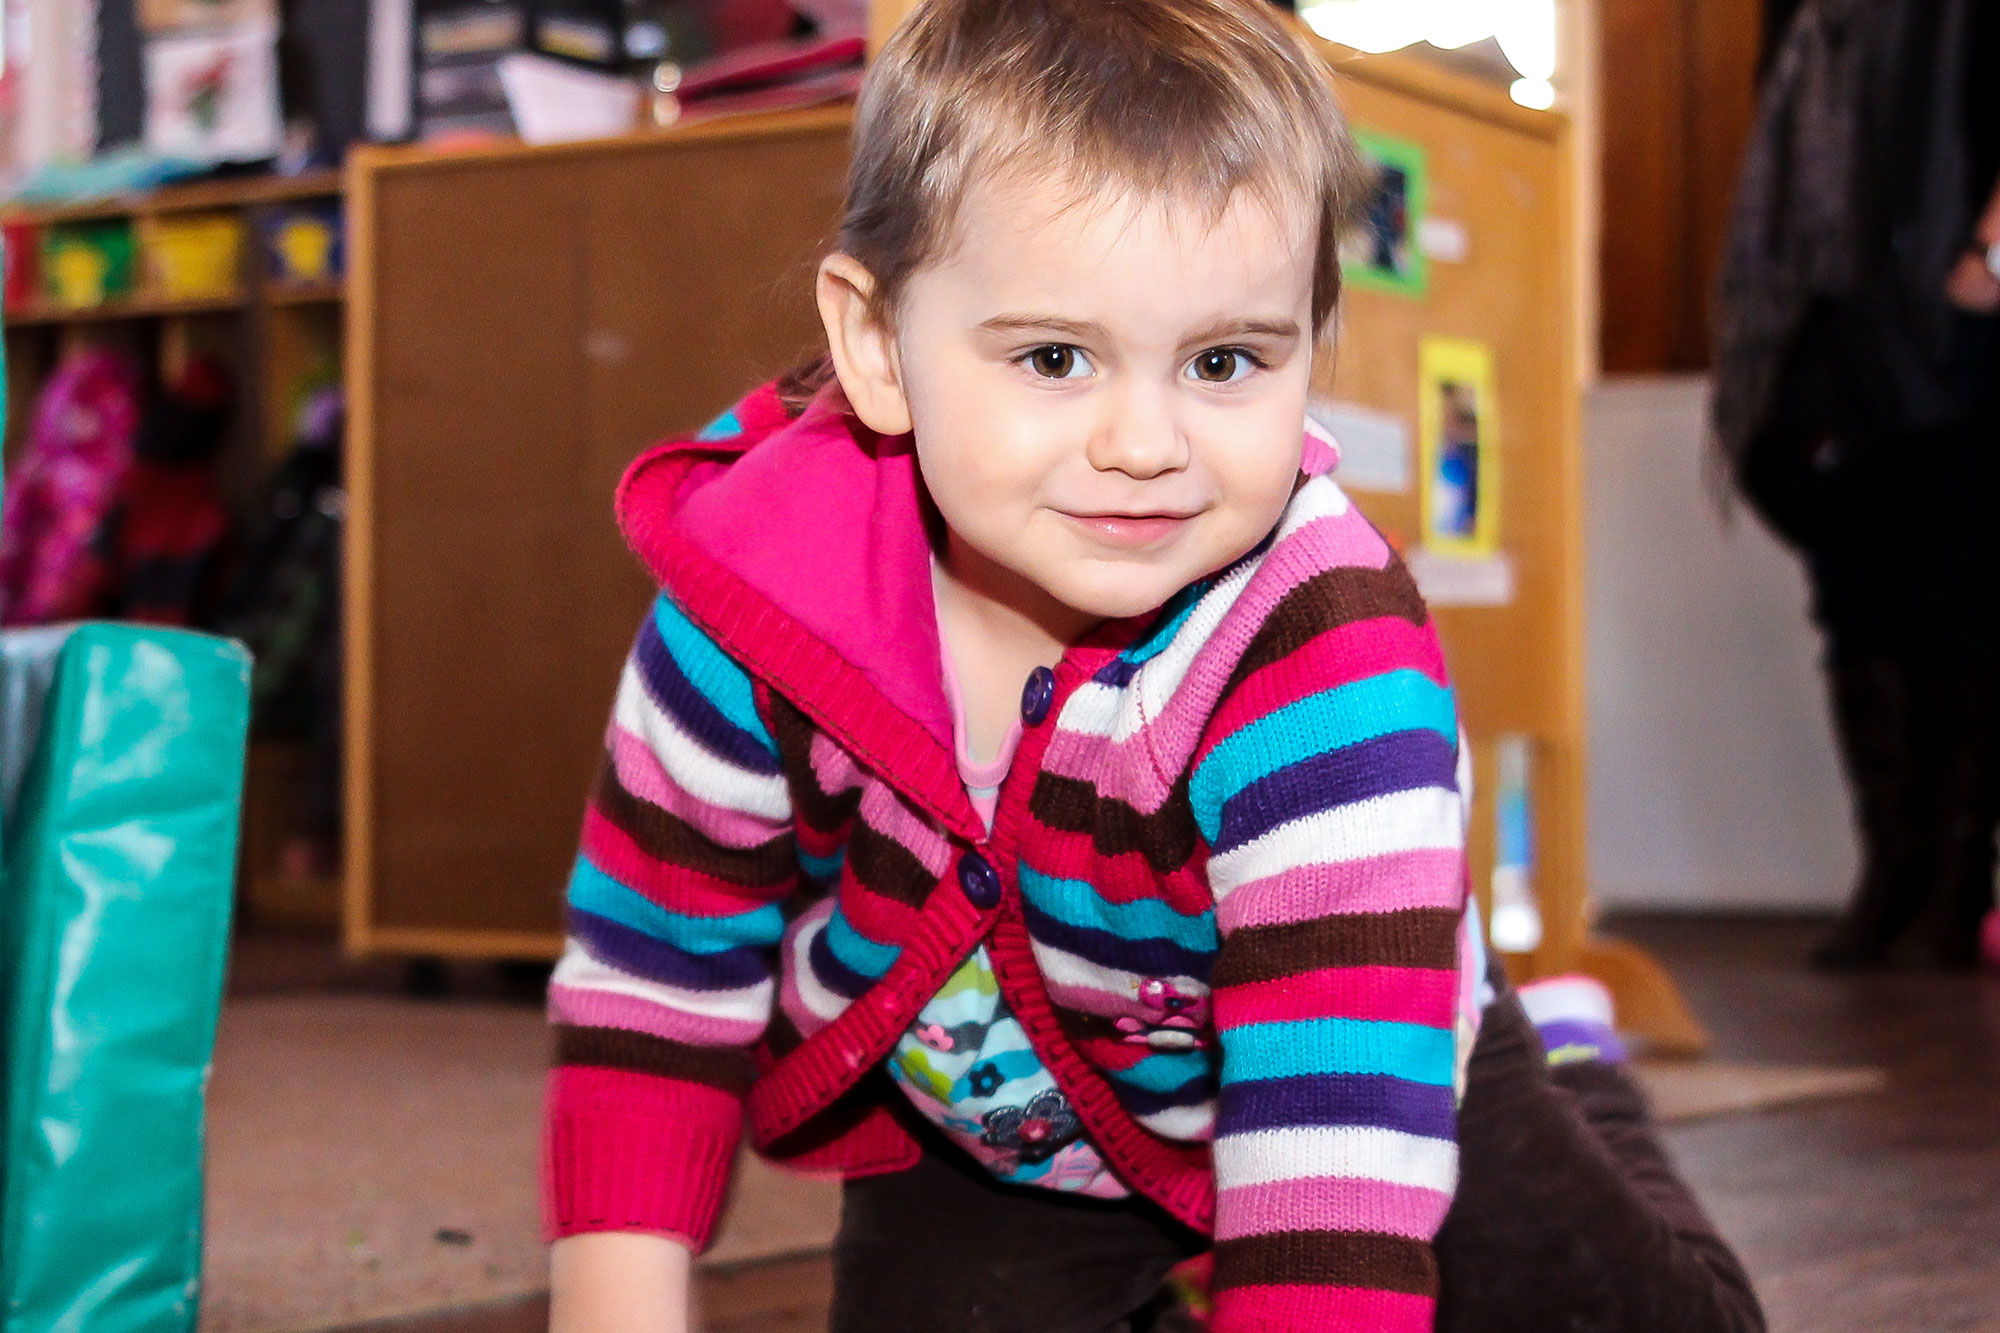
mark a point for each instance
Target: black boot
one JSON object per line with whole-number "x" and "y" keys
{"x": 1956, "y": 807}
{"x": 1874, "y": 724}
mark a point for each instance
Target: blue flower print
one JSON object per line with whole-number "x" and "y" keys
{"x": 1037, "y": 1131}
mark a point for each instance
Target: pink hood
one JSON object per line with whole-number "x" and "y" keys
{"x": 800, "y": 546}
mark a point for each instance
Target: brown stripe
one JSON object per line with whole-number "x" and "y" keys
{"x": 1416, "y": 937}
{"x": 727, "y": 1068}
{"x": 669, "y": 838}
{"x": 1328, "y": 1259}
{"x": 1327, "y": 601}
{"x": 885, "y": 866}
{"x": 1166, "y": 839}
{"x": 794, "y": 732}
{"x": 781, "y": 1034}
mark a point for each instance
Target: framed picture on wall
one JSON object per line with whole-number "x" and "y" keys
{"x": 1380, "y": 251}
{"x": 1459, "y": 442}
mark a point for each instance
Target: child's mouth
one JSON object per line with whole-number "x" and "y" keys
{"x": 1135, "y": 531}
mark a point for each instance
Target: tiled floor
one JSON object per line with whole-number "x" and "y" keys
{"x": 1876, "y": 1214}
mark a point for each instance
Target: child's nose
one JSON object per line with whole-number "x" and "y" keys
{"x": 1138, "y": 436}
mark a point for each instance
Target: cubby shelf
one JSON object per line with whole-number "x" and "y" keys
{"x": 138, "y": 307}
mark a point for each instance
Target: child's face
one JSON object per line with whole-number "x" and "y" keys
{"x": 1108, "y": 397}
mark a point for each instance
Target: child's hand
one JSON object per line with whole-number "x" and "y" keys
{"x": 619, "y": 1282}
{"x": 1972, "y": 286}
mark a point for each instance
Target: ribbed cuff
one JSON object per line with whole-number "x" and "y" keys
{"x": 623, "y": 1151}
{"x": 1290, "y": 1307}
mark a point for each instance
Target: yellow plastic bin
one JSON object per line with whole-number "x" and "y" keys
{"x": 193, "y": 256}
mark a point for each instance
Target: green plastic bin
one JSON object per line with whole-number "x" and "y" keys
{"x": 119, "y": 853}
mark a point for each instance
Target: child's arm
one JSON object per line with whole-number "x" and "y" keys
{"x": 618, "y": 1282}
{"x": 1326, "y": 790}
{"x": 666, "y": 983}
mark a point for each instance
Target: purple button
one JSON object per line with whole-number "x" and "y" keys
{"x": 1037, "y": 695}
{"x": 980, "y": 881}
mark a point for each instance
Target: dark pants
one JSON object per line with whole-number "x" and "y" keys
{"x": 1568, "y": 1217}
{"x": 1908, "y": 596}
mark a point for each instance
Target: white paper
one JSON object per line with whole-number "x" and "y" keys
{"x": 389, "y": 36}
{"x": 1374, "y": 446}
{"x": 1444, "y": 240}
{"x": 213, "y": 95}
{"x": 555, "y": 102}
{"x": 1454, "y": 580}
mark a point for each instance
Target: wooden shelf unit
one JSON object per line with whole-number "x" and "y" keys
{"x": 273, "y": 336}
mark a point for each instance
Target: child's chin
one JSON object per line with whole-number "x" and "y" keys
{"x": 1118, "y": 599}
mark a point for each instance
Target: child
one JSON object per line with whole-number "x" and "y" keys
{"x": 1034, "y": 795}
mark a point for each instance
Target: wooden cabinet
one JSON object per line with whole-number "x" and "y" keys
{"x": 526, "y": 320}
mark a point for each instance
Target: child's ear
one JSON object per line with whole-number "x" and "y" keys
{"x": 863, "y": 345}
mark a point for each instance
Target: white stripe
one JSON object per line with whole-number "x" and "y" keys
{"x": 1566, "y": 997}
{"x": 1344, "y": 1152}
{"x": 689, "y": 763}
{"x": 1149, "y": 692}
{"x": 1184, "y": 1124}
{"x": 823, "y": 1004}
{"x": 1427, "y": 819}
{"x": 1317, "y": 499}
{"x": 750, "y": 1004}
{"x": 1066, "y": 969}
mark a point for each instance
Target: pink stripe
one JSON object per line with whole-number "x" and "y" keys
{"x": 603, "y": 1009}
{"x": 1346, "y": 540}
{"x": 1091, "y": 1000}
{"x": 1338, "y": 657}
{"x": 1391, "y": 882}
{"x": 792, "y": 961}
{"x": 1330, "y": 1204}
{"x": 1328, "y": 661}
{"x": 887, "y": 815}
{"x": 1124, "y": 877}
{"x": 833, "y": 768}
{"x": 1121, "y": 770}
{"x": 640, "y": 773}
{"x": 1376, "y": 994}
{"x": 676, "y": 888}
{"x": 1287, "y": 1309}
{"x": 877, "y": 915}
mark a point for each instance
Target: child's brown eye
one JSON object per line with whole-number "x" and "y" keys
{"x": 1218, "y": 365}
{"x": 1054, "y": 362}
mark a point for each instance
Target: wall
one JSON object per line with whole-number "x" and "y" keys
{"x": 1713, "y": 778}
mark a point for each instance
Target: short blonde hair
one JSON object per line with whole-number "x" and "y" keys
{"x": 1196, "y": 99}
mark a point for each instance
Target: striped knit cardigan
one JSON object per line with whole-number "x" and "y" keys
{"x": 1248, "y": 800}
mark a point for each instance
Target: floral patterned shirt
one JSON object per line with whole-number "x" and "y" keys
{"x": 966, "y": 1063}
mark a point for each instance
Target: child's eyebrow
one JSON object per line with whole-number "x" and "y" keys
{"x": 1084, "y": 329}
{"x": 1091, "y": 330}
{"x": 1242, "y": 328}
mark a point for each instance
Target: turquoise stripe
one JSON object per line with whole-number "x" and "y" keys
{"x": 1163, "y": 1072}
{"x": 856, "y": 950}
{"x": 593, "y": 891}
{"x": 1401, "y": 700}
{"x": 1009, "y": 1064}
{"x": 1156, "y": 642}
{"x": 1338, "y": 1046}
{"x": 720, "y": 680}
{"x": 1074, "y": 902}
{"x": 722, "y": 427}
{"x": 823, "y": 869}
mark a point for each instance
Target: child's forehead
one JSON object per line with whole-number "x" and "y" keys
{"x": 1150, "y": 264}
{"x": 1020, "y": 201}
